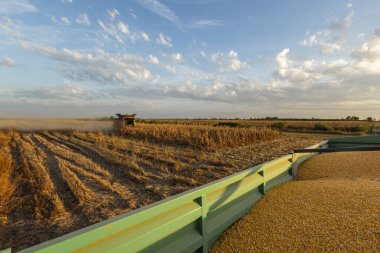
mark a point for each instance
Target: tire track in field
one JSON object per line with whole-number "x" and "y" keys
{"x": 150, "y": 180}
{"x": 179, "y": 175}
{"x": 163, "y": 183}
{"x": 35, "y": 195}
{"x": 137, "y": 193}
{"x": 69, "y": 199}
{"x": 174, "y": 170}
{"x": 155, "y": 154}
{"x": 73, "y": 155}
{"x": 100, "y": 185}
{"x": 135, "y": 158}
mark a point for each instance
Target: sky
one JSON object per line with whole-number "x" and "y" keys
{"x": 189, "y": 58}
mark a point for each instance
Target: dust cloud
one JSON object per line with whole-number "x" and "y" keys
{"x": 56, "y": 124}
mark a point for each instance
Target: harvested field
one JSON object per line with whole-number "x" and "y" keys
{"x": 334, "y": 206}
{"x": 60, "y": 181}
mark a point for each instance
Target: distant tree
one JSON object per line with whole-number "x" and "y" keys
{"x": 370, "y": 119}
{"x": 352, "y": 118}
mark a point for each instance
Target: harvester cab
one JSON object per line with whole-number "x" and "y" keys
{"x": 124, "y": 120}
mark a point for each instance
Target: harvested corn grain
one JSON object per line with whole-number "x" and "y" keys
{"x": 349, "y": 165}
{"x": 336, "y": 209}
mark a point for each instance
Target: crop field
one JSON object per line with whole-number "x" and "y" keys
{"x": 333, "y": 206}
{"x": 294, "y": 125}
{"x": 55, "y": 182}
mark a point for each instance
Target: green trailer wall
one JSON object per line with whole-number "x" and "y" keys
{"x": 362, "y": 141}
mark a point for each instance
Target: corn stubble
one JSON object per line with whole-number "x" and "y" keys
{"x": 6, "y": 186}
{"x": 55, "y": 182}
{"x": 334, "y": 206}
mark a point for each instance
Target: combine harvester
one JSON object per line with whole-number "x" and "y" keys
{"x": 192, "y": 221}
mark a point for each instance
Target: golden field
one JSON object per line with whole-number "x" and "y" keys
{"x": 291, "y": 125}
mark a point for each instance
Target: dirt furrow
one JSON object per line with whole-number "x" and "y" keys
{"x": 72, "y": 156}
{"x": 83, "y": 167}
{"x": 178, "y": 176}
{"x": 126, "y": 165}
{"x": 136, "y": 184}
{"x": 85, "y": 173}
{"x": 69, "y": 199}
{"x": 159, "y": 158}
{"x": 155, "y": 153}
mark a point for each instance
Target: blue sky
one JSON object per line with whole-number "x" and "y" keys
{"x": 183, "y": 58}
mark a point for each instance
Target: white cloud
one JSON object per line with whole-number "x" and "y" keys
{"x": 83, "y": 19}
{"x": 67, "y": 1}
{"x": 311, "y": 40}
{"x": 123, "y": 28}
{"x": 235, "y": 63}
{"x": 164, "y": 40}
{"x": 282, "y": 59}
{"x": 112, "y": 14}
{"x": 308, "y": 64}
{"x": 10, "y": 27}
{"x": 229, "y": 62}
{"x": 194, "y": 60}
{"x": 177, "y": 57}
{"x": 98, "y": 66}
{"x": 132, "y": 13}
{"x": 15, "y": 7}
{"x": 341, "y": 25}
{"x": 340, "y": 79}
{"x": 162, "y": 10}
{"x": 61, "y": 92}
{"x": 111, "y": 30}
{"x": 202, "y": 23}
{"x": 7, "y": 62}
{"x": 119, "y": 31}
{"x": 318, "y": 83}
{"x": 333, "y": 39}
{"x": 171, "y": 69}
{"x": 54, "y": 19}
{"x": 329, "y": 48}
{"x": 145, "y": 36}
{"x": 204, "y": 55}
{"x": 349, "y": 5}
{"x": 65, "y": 20}
{"x": 370, "y": 50}
{"x": 153, "y": 60}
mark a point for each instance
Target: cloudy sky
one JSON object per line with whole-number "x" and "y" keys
{"x": 189, "y": 58}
